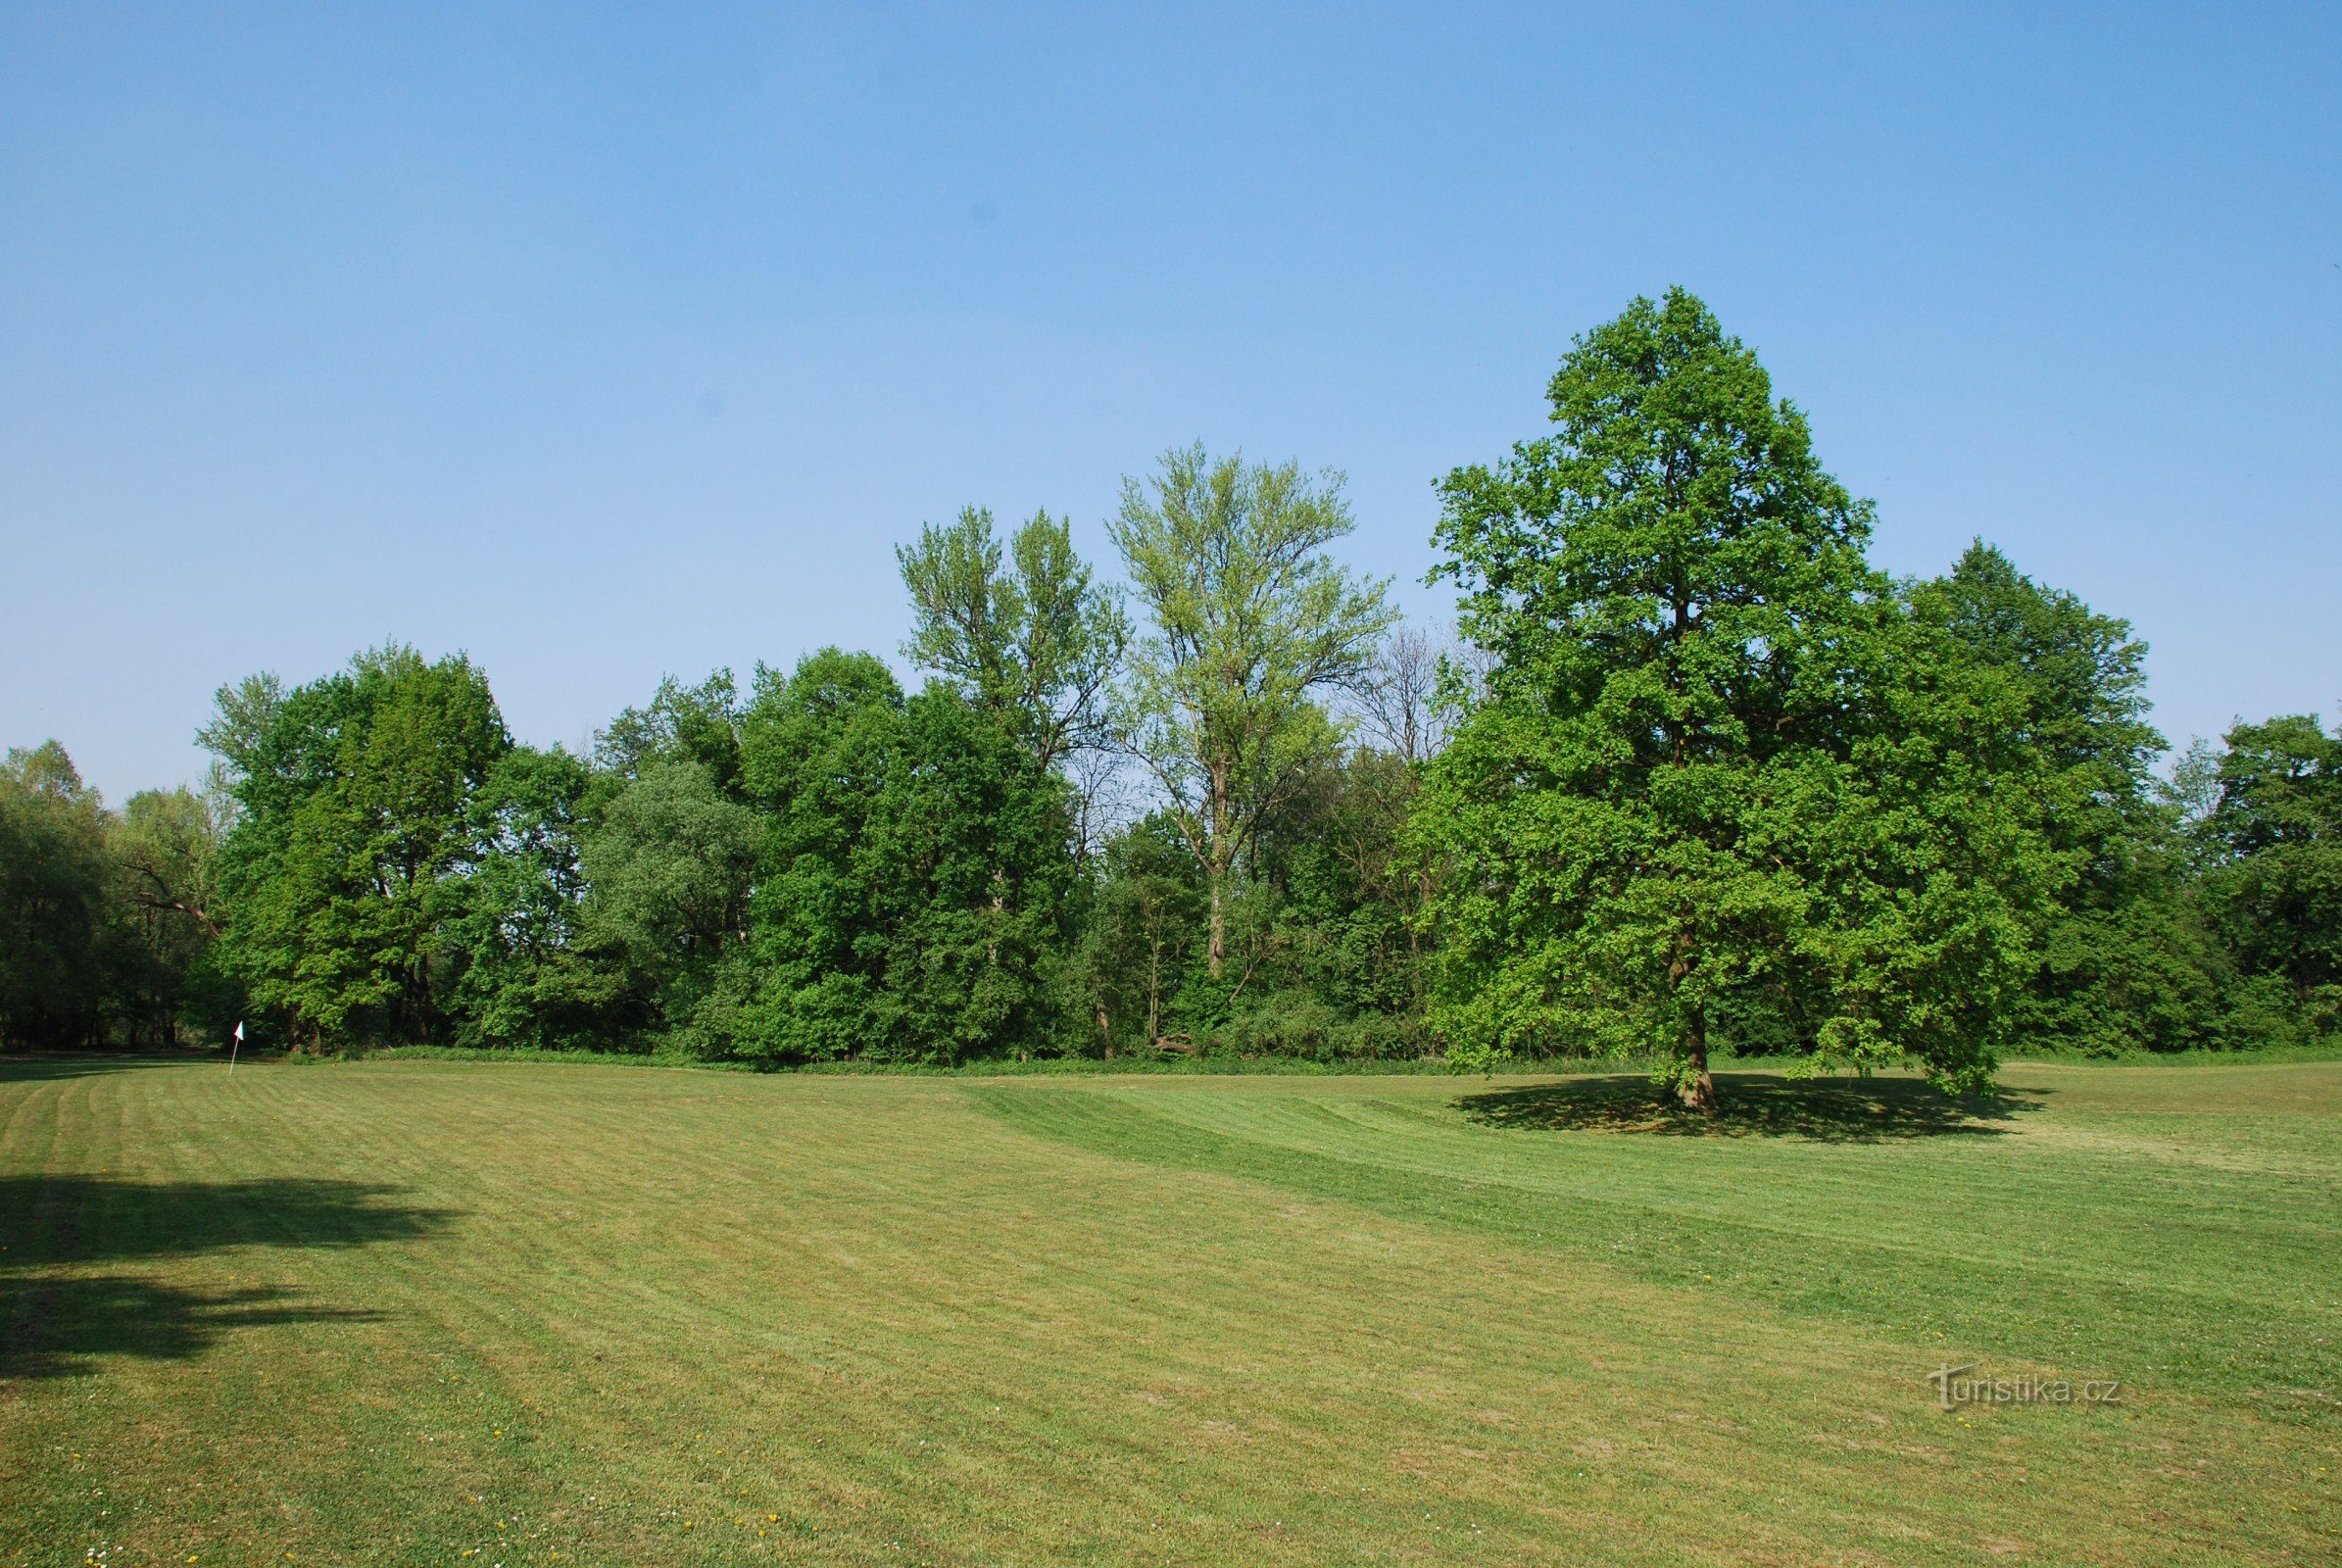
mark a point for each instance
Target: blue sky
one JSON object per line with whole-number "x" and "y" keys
{"x": 604, "y": 343}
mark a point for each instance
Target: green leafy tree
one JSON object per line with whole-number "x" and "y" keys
{"x": 525, "y": 973}
{"x": 669, "y": 869}
{"x": 1139, "y": 939}
{"x": 1718, "y": 768}
{"x": 968, "y": 857}
{"x": 1324, "y": 957}
{"x": 2126, "y": 964}
{"x": 354, "y": 797}
{"x": 680, "y": 724}
{"x": 819, "y": 744}
{"x": 1251, "y": 622}
{"x": 53, "y": 902}
{"x": 167, "y": 848}
{"x": 1348, "y": 897}
{"x": 917, "y": 872}
{"x": 1030, "y": 637}
{"x": 2274, "y": 884}
{"x": 165, "y": 853}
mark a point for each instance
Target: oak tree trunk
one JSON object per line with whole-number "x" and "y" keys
{"x": 1695, "y": 1086}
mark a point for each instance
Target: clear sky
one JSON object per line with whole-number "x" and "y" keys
{"x": 609, "y": 342}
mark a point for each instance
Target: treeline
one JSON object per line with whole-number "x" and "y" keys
{"x": 1691, "y": 777}
{"x": 105, "y": 932}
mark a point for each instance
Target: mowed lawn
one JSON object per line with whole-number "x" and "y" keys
{"x": 426, "y": 1313}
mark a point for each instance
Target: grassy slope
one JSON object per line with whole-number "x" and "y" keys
{"x": 372, "y": 1313}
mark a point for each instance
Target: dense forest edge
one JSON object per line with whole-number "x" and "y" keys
{"x": 1687, "y": 779}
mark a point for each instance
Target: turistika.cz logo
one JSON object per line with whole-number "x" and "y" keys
{"x": 1956, "y": 1386}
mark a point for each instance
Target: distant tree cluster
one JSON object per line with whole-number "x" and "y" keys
{"x": 107, "y": 918}
{"x": 1692, "y": 778}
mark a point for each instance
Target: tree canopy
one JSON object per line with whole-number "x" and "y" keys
{"x": 1721, "y": 777}
{"x": 1251, "y": 622}
{"x": 1031, "y": 639}
{"x": 1693, "y": 779}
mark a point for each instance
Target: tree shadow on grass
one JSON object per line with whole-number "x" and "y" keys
{"x": 58, "y": 1325}
{"x": 93, "y": 1220}
{"x": 55, "y": 1315}
{"x": 1835, "y": 1110}
{"x": 37, "y": 1067}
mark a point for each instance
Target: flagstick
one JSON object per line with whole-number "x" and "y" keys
{"x": 235, "y": 1044}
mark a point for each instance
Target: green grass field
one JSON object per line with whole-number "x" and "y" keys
{"x": 441, "y": 1312}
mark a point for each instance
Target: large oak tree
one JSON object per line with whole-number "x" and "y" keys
{"x": 1720, "y": 770}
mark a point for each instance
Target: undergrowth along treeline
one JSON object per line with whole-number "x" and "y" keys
{"x": 1693, "y": 777}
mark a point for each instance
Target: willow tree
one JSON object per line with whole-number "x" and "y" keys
{"x": 1251, "y": 622}
{"x": 1720, "y": 770}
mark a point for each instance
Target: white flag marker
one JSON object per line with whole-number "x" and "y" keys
{"x": 234, "y": 1047}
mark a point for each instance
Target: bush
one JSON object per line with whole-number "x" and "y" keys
{"x": 1306, "y": 1029}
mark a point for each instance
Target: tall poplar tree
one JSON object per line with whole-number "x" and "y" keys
{"x": 1251, "y": 622}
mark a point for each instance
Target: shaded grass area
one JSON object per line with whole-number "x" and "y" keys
{"x": 77, "y": 1218}
{"x": 1836, "y": 1110}
{"x": 422, "y": 1312}
{"x": 59, "y": 1316}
